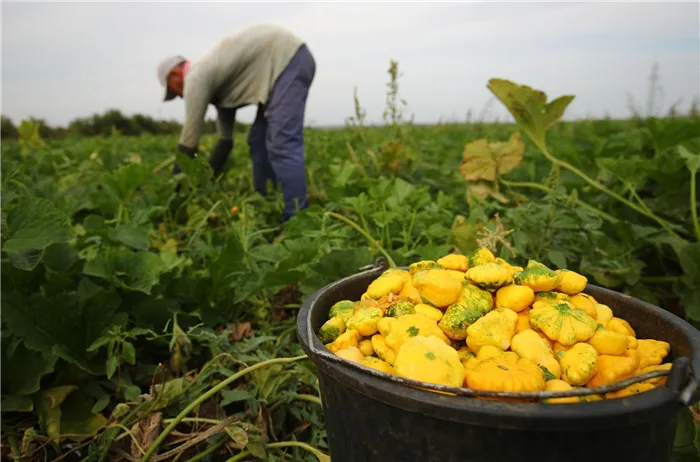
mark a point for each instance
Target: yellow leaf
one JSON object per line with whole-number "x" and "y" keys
{"x": 484, "y": 160}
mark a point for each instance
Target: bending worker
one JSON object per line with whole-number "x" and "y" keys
{"x": 264, "y": 65}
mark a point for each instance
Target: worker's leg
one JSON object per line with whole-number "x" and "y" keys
{"x": 285, "y": 131}
{"x": 262, "y": 169}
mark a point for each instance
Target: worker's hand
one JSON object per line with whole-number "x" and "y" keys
{"x": 191, "y": 152}
{"x": 220, "y": 154}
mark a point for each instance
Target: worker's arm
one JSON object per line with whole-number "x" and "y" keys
{"x": 197, "y": 96}
{"x": 225, "y": 120}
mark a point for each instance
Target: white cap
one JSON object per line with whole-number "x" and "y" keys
{"x": 164, "y": 69}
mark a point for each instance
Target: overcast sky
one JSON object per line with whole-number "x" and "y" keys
{"x": 67, "y": 60}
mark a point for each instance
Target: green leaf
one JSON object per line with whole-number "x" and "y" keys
{"x": 692, "y": 161}
{"x": 228, "y": 264}
{"x": 684, "y": 449}
{"x": 234, "y": 396}
{"x": 33, "y": 225}
{"x": 129, "y": 353}
{"x": 64, "y": 325}
{"x": 557, "y": 258}
{"x": 131, "y": 236}
{"x": 60, "y": 257}
{"x": 112, "y": 363}
{"x": 529, "y": 107}
{"x": 78, "y": 417}
{"x": 25, "y": 369}
{"x": 138, "y": 271}
{"x": 101, "y": 404}
{"x": 16, "y": 403}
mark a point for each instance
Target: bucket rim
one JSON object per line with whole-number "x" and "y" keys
{"x": 680, "y": 389}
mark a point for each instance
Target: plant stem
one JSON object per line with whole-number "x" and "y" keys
{"x": 207, "y": 451}
{"x": 366, "y": 235}
{"x": 527, "y": 184}
{"x": 194, "y": 420}
{"x": 605, "y": 190}
{"x": 212, "y": 391}
{"x": 281, "y": 444}
{"x": 694, "y": 206}
{"x": 12, "y": 441}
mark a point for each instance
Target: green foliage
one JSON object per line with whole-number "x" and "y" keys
{"x": 124, "y": 303}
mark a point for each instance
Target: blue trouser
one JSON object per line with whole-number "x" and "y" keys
{"x": 276, "y": 139}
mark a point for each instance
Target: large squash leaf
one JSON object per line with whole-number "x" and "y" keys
{"x": 66, "y": 324}
{"x": 32, "y": 226}
{"x": 138, "y": 271}
{"x": 529, "y": 107}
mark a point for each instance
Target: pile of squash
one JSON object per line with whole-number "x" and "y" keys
{"x": 478, "y": 322}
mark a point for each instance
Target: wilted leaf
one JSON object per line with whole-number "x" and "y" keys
{"x": 145, "y": 432}
{"x": 487, "y": 161}
{"x": 481, "y": 190}
{"x": 529, "y": 107}
{"x": 78, "y": 417}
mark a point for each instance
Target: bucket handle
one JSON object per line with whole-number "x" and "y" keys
{"x": 680, "y": 378}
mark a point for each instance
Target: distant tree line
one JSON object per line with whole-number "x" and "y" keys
{"x": 105, "y": 124}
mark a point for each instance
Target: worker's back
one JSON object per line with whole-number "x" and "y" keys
{"x": 243, "y": 67}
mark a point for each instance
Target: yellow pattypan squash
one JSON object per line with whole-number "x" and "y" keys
{"x": 410, "y": 293}
{"x": 621, "y": 326}
{"x": 481, "y": 256}
{"x": 489, "y": 276}
{"x": 475, "y": 298}
{"x": 603, "y": 314}
{"x": 561, "y": 322}
{"x": 457, "y": 320}
{"x": 457, "y": 275}
{"x": 384, "y": 325}
{"x": 582, "y": 302}
{"x": 382, "y": 351}
{"x": 652, "y": 352}
{"x": 429, "y": 311}
{"x": 343, "y": 308}
{"x": 656, "y": 381}
{"x": 465, "y": 354}
{"x": 454, "y": 262}
{"x": 351, "y": 354}
{"x": 345, "y": 340}
{"x": 412, "y": 325}
{"x": 423, "y": 265}
{"x": 559, "y": 385}
{"x": 571, "y": 282}
{"x": 331, "y": 329}
{"x": 437, "y": 287}
{"x": 578, "y": 364}
{"x": 612, "y": 369}
{"x": 495, "y": 328}
{"x": 523, "y": 322}
{"x": 387, "y": 282}
{"x": 607, "y": 342}
{"x": 365, "y": 321}
{"x": 400, "y": 308}
{"x": 495, "y": 370}
{"x": 528, "y": 344}
{"x": 365, "y": 347}
{"x": 515, "y": 297}
{"x": 550, "y": 295}
{"x": 378, "y": 364}
{"x": 630, "y": 390}
{"x": 538, "y": 277}
{"x": 429, "y": 359}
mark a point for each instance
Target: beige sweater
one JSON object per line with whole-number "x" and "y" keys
{"x": 240, "y": 70}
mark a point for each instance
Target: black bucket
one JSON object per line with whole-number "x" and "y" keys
{"x": 372, "y": 416}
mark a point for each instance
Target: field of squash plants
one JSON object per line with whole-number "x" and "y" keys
{"x": 139, "y": 324}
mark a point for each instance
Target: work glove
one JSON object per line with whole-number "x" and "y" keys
{"x": 220, "y": 154}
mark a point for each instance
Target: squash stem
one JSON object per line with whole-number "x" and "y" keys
{"x": 284, "y": 444}
{"x": 605, "y": 190}
{"x": 366, "y": 235}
